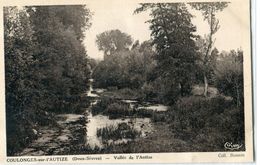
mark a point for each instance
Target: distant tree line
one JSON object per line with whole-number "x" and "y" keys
{"x": 126, "y": 68}
{"x": 168, "y": 66}
{"x": 173, "y": 60}
{"x": 45, "y": 65}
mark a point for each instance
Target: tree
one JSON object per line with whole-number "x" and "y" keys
{"x": 135, "y": 45}
{"x": 60, "y": 51}
{"x": 209, "y": 10}
{"x": 126, "y": 69}
{"x": 172, "y": 35}
{"x": 112, "y": 41}
{"x": 45, "y": 63}
{"x": 229, "y": 76}
{"x": 205, "y": 69}
{"x": 19, "y": 88}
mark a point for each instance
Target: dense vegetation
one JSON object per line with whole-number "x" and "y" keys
{"x": 118, "y": 109}
{"x": 166, "y": 69}
{"x": 46, "y": 67}
{"x": 47, "y": 71}
{"x": 173, "y": 61}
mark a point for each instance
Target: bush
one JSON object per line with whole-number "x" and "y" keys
{"x": 229, "y": 76}
{"x": 193, "y": 112}
{"x": 148, "y": 91}
{"x": 118, "y": 109}
{"x": 101, "y": 105}
{"x": 126, "y": 68}
{"x": 212, "y": 121}
{"x": 111, "y": 107}
{"x": 21, "y": 128}
{"x": 44, "y": 62}
{"x": 20, "y": 134}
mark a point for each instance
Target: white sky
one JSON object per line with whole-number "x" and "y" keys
{"x": 108, "y": 16}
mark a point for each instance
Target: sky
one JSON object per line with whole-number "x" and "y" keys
{"x": 108, "y": 16}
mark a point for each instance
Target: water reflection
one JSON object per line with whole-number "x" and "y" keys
{"x": 100, "y": 121}
{"x": 142, "y": 125}
{"x": 146, "y": 105}
{"x": 157, "y": 107}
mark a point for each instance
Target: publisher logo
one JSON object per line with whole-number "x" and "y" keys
{"x": 231, "y": 146}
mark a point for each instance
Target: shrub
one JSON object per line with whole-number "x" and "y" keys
{"x": 112, "y": 107}
{"x": 148, "y": 91}
{"x": 193, "y": 112}
{"x": 101, "y": 105}
{"x": 212, "y": 121}
{"x": 20, "y": 134}
{"x": 229, "y": 76}
{"x": 118, "y": 109}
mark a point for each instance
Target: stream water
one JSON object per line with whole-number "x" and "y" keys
{"x": 95, "y": 122}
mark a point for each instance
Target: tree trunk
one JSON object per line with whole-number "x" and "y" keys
{"x": 205, "y": 86}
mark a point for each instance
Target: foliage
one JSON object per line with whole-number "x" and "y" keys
{"x": 61, "y": 54}
{"x": 47, "y": 70}
{"x": 93, "y": 63}
{"x": 205, "y": 66}
{"x": 126, "y": 68}
{"x": 121, "y": 131}
{"x": 209, "y": 121}
{"x": 192, "y": 112}
{"x": 113, "y": 41}
{"x": 101, "y": 105}
{"x": 172, "y": 35}
{"x": 109, "y": 72}
{"x": 115, "y": 108}
{"x": 209, "y": 10}
{"x": 229, "y": 76}
{"x": 19, "y": 90}
{"x": 118, "y": 109}
{"x": 45, "y": 63}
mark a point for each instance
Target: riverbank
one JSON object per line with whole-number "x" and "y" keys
{"x": 194, "y": 123}
{"x": 65, "y": 137}
{"x": 122, "y": 125}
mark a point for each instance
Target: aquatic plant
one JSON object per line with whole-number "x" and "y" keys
{"x": 121, "y": 131}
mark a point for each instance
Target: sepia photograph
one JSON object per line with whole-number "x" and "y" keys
{"x": 127, "y": 77}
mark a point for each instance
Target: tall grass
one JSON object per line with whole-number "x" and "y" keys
{"x": 117, "y": 109}
{"x": 121, "y": 131}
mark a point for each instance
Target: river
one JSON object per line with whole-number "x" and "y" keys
{"x": 73, "y": 132}
{"x": 95, "y": 122}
